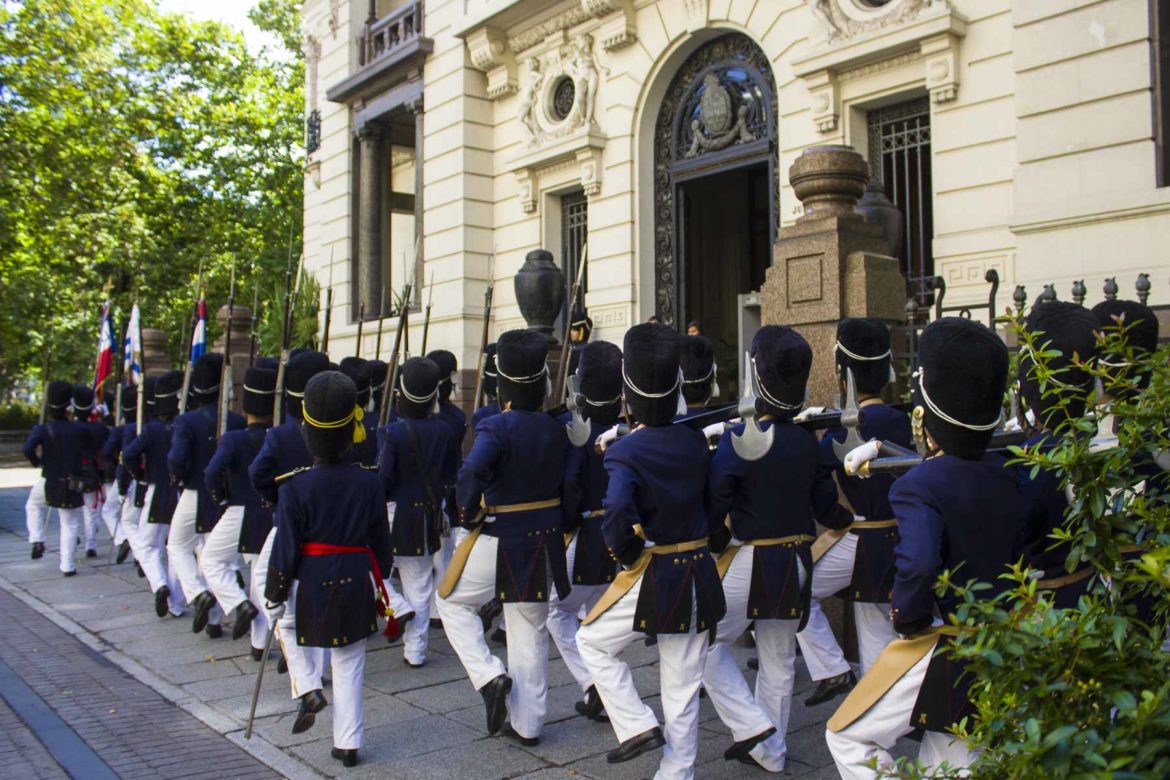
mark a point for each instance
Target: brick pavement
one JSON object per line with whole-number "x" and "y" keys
{"x": 425, "y": 723}
{"x": 21, "y": 754}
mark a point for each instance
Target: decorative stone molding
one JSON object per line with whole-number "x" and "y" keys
{"x": 610, "y": 316}
{"x": 618, "y": 30}
{"x": 334, "y": 17}
{"x": 559, "y": 91}
{"x": 583, "y": 149}
{"x": 972, "y": 271}
{"x": 871, "y": 39}
{"x": 525, "y": 40}
{"x": 489, "y": 51}
{"x": 698, "y": 14}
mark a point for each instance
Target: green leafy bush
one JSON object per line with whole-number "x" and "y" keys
{"x": 18, "y": 416}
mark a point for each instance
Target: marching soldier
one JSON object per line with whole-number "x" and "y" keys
{"x": 959, "y": 508}
{"x": 377, "y": 371}
{"x": 456, "y": 420}
{"x": 94, "y": 436}
{"x": 857, "y": 557}
{"x": 509, "y": 492}
{"x": 591, "y": 568}
{"x": 54, "y": 447}
{"x": 117, "y": 488}
{"x": 358, "y": 370}
{"x": 699, "y": 382}
{"x": 491, "y": 404}
{"x": 771, "y": 504}
{"x": 134, "y": 492}
{"x": 192, "y": 445}
{"x": 146, "y": 459}
{"x": 491, "y": 407}
{"x": 670, "y": 587}
{"x": 245, "y": 522}
{"x": 331, "y": 536}
{"x": 580, "y": 329}
{"x": 415, "y": 461}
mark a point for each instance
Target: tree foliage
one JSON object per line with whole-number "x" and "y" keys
{"x": 134, "y": 146}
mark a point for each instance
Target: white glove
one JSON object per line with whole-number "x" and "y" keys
{"x": 859, "y": 456}
{"x": 714, "y": 430}
{"x": 606, "y": 439}
{"x": 811, "y": 411}
{"x": 274, "y": 612}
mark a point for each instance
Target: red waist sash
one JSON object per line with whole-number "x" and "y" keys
{"x": 317, "y": 549}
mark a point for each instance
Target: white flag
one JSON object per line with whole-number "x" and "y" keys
{"x": 133, "y": 349}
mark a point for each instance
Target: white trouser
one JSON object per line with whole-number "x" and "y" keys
{"x": 527, "y": 648}
{"x": 440, "y": 560}
{"x": 219, "y": 557}
{"x": 744, "y": 715}
{"x": 874, "y": 733}
{"x": 349, "y": 667}
{"x": 417, "y": 576}
{"x": 72, "y": 524}
{"x": 822, "y": 654}
{"x": 92, "y": 511}
{"x": 112, "y": 513}
{"x": 681, "y": 658}
{"x": 305, "y": 664}
{"x": 184, "y": 546}
{"x": 564, "y": 620}
{"x": 152, "y": 540}
{"x": 131, "y": 519}
{"x": 36, "y": 512}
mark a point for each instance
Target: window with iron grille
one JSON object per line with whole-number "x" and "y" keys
{"x": 313, "y": 131}
{"x": 574, "y": 230}
{"x": 899, "y": 155}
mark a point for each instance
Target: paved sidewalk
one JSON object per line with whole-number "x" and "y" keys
{"x": 426, "y": 723}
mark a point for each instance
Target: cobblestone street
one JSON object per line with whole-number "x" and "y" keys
{"x": 145, "y": 697}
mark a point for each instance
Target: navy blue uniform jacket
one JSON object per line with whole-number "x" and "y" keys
{"x": 456, "y": 420}
{"x": 519, "y": 457}
{"x": 484, "y": 412}
{"x": 415, "y": 528}
{"x": 192, "y": 445}
{"x": 60, "y": 443}
{"x": 657, "y": 479}
{"x": 283, "y": 451}
{"x": 112, "y": 457}
{"x": 146, "y": 458}
{"x": 226, "y": 478}
{"x": 338, "y": 504}
{"x": 584, "y": 494}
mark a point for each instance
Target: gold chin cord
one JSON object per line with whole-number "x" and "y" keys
{"x": 918, "y": 430}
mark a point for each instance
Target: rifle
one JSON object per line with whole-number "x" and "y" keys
{"x": 427, "y": 316}
{"x": 45, "y": 375}
{"x": 392, "y": 365}
{"x": 140, "y": 413}
{"x": 278, "y": 399}
{"x": 226, "y": 377}
{"x": 563, "y": 367}
{"x": 119, "y": 414}
{"x": 255, "y": 321}
{"x": 191, "y": 343}
{"x": 381, "y": 319}
{"x": 328, "y": 306}
{"x": 483, "y": 338}
{"x": 357, "y": 350}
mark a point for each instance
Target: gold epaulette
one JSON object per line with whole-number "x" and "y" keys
{"x": 292, "y": 473}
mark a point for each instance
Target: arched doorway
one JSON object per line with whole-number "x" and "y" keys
{"x": 715, "y": 191}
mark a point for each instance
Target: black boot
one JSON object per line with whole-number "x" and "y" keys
{"x": 38, "y": 550}
{"x": 91, "y": 553}
{"x": 240, "y": 580}
{"x": 346, "y": 757}
{"x": 202, "y": 608}
{"x": 495, "y": 699}
{"x": 754, "y": 663}
{"x": 510, "y": 733}
{"x": 488, "y": 613}
{"x": 161, "y": 598}
{"x": 214, "y": 630}
{"x": 71, "y": 573}
{"x": 740, "y": 749}
{"x": 141, "y": 573}
{"x": 311, "y": 703}
{"x": 282, "y": 665}
{"x": 831, "y": 688}
{"x": 123, "y": 551}
{"x": 245, "y": 613}
{"x": 257, "y": 654}
{"x": 591, "y": 706}
{"x": 636, "y": 746}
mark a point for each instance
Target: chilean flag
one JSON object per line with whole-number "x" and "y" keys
{"x": 105, "y": 356}
{"x": 199, "y": 335}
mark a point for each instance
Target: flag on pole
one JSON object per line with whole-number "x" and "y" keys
{"x": 105, "y": 356}
{"x": 132, "y": 349}
{"x": 199, "y": 335}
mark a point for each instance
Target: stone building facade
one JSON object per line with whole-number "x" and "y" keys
{"x": 1025, "y": 137}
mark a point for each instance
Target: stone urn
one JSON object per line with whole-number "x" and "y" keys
{"x": 540, "y": 291}
{"x": 828, "y": 180}
{"x": 879, "y": 210}
{"x": 154, "y": 352}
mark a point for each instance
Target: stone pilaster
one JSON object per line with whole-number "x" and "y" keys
{"x": 372, "y": 184}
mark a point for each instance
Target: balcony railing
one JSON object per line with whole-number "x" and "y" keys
{"x": 385, "y": 36}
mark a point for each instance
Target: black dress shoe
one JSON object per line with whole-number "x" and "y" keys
{"x": 636, "y": 746}
{"x": 71, "y": 573}
{"x": 257, "y": 654}
{"x": 240, "y": 580}
{"x": 346, "y": 757}
{"x": 436, "y": 623}
{"x": 38, "y": 550}
{"x": 161, "y": 597}
{"x": 744, "y": 746}
{"x": 282, "y": 665}
{"x": 215, "y": 631}
{"x": 488, "y": 612}
{"x": 123, "y": 551}
{"x": 202, "y": 608}
{"x": 412, "y": 665}
{"x": 141, "y": 573}
{"x": 591, "y": 706}
{"x": 393, "y": 637}
{"x": 831, "y": 688}
{"x": 91, "y": 553}
{"x": 495, "y": 699}
{"x": 651, "y": 640}
{"x": 510, "y": 733}
{"x": 311, "y": 703}
{"x": 245, "y": 613}
{"x": 753, "y": 664}
{"x": 499, "y": 637}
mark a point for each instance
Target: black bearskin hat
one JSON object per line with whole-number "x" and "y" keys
{"x": 149, "y": 386}
{"x": 333, "y": 421}
{"x": 447, "y": 367}
{"x": 259, "y": 391}
{"x": 781, "y": 360}
{"x": 377, "y": 372}
{"x": 358, "y": 370}
{"x": 960, "y": 381}
{"x": 1139, "y": 327}
{"x": 600, "y": 370}
{"x": 697, "y": 360}
{"x": 650, "y": 373}
{"x": 418, "y": 387}
{"x": 489, "y": 371}
{"x": 265, "y": 361}
{"x": 1070, "y": 329}
{"x": 82, "y": 401}
{"x": 302, "y": 367}
{"x": 521, "y": 363}
{"x": 166, "y": 394}
{"x": 58, "y": 397}
{"x": 584, "y": 322}
{"x": 129, "y": 399}
{"x": 206, "y": 375}
{"x": 863, "y": 345}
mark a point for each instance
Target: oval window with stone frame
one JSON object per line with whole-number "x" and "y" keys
{"x": 564, "y": 96}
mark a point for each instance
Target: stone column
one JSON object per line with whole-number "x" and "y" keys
{"x": 372, "y": 184}
{"x": 155, "y": 361}
{"x": 831, "y": 264}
